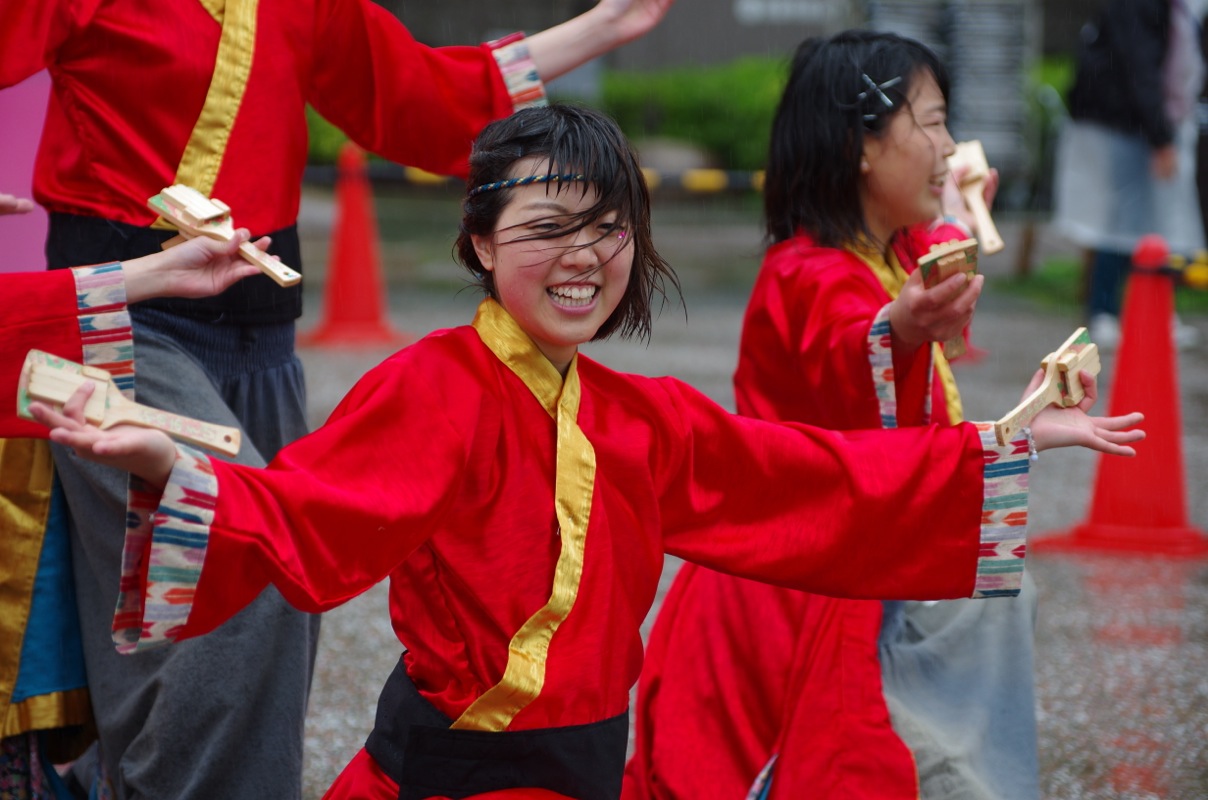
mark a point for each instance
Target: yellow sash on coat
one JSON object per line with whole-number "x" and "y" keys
{"x": 573, "y": 487}
{"x": 202, "y": 157}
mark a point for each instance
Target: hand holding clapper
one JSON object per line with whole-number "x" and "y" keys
{"x": 53, "y": 380}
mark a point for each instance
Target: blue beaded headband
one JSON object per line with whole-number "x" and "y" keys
{"x": 525, "y": 181}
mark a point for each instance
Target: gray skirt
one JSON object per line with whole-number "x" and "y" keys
{"x": 1107, "y": 196}
{"x": 958, "y": 681}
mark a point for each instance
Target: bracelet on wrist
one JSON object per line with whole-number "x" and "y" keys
{"x": 1033, "y": 453}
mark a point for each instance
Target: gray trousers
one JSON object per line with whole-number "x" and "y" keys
{"x": 220, "y": 716}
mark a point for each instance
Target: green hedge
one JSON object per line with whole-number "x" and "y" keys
{"x": 726, "y": 109}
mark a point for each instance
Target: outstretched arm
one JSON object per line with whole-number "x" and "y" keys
{"x": 144, "y": 452}
{"x": 608, "y": 25}
{"x": 1072, "y": 427}
{"x": 15, "y": 205}
{"x": 200, "y": 267}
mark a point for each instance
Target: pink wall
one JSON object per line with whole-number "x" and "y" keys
{"x": 22, "y": 109}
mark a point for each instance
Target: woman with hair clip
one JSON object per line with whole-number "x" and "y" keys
{"x": 859, "y": 698}
{"x": 520, "y": 497}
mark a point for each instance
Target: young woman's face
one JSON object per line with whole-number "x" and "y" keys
{"x": 904, "y": 168}
{"x": 559, "y": 290}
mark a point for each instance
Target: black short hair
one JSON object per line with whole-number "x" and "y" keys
{"x": 813, "y": 171}
{"x": 574, "y": 140}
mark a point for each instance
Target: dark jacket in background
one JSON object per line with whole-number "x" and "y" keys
{"x": 1118, "y": 82}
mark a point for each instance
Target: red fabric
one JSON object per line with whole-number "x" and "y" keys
{"x": 736, "y": 670}
{"x": 39, "y": 311}
{"x": 131, "y": 76}
{"x": 804, "y": 350}
{"x": 437, "y": 471}
{"x": 694, "y": 711}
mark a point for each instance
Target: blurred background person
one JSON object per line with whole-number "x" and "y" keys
{"x": 1126, "y": 163}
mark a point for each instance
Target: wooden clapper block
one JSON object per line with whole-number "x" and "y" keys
{"x": 52, "y": 380}
{"x": 944, "y": 261}
{"x": 972, "y": 186}
{"x": 1060, "y": 385}
{"x": 194, "y": 214}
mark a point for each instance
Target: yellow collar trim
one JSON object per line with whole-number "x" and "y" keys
{"x": 892, "y": 276}
{"x": 574, "y": 486}
{"x": 202, "y": 157}
{"x": 215, "y": 8}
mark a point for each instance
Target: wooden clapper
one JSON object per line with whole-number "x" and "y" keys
{"x": 52, "y": 380}
{"x": 1060, "y": 385}
{"x": 194, "y": 214}
{"x": 972, "y": 186}
{"x": 944, "y": 261}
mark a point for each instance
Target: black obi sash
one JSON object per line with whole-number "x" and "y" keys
{"x": 414, "y": 745}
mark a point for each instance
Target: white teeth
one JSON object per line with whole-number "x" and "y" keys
{"x": 576, "y": 294}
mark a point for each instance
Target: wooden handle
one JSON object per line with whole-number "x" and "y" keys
{"x": 270, "y": 266}
{"x": 954, "y": 347}
{"x": 987, "y": 233}
{"x": 219, "y": 438}
{"x": 1045, "y": 394}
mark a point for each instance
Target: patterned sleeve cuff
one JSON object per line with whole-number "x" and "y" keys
{"x": 880, "y": 358}
{"x": 1004, "y": 525}
{"x": 106, "y": 338}
{"x": 519, "y": 72}
{"x": 166, "y": 539}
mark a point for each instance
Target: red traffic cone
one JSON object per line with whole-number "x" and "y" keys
{"x": 1139, "y": 504}
{"x": 354, "y": 307}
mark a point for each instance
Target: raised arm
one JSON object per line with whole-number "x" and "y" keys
{"x": 608, "y": 25}
{"x": 423, "y": 106}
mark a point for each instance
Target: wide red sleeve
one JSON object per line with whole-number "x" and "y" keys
{"x": 332, "y": 515}
{"x": 816, "y": 345}
{"x": 920, "y": 513}
{"x": 32, "y": 33}
{"x": 413, "y": 104}
{"x": 76, "y": 314}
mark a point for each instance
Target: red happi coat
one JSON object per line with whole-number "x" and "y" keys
{"x": 445, "y": 469}
{"x": 737, "y": 670}
{"x": 131, "y": 78}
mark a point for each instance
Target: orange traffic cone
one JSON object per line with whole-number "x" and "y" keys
{"x": 354, "y": 308}
{"x": 1139, "y": 504}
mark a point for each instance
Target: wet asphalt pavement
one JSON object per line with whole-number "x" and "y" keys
{"x": 1122, "y": 642}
